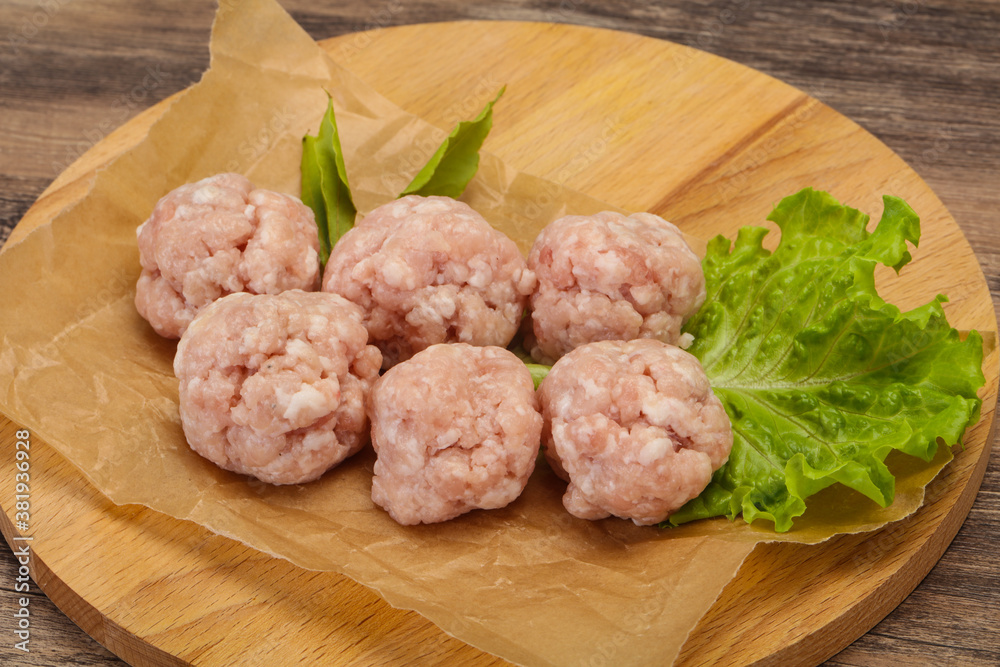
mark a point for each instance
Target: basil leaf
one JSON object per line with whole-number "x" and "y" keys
{"x": 324, "y": 172}
{"x": 312, "y": 194}
{"x": 821, "y": 377}
{"x": 456, "y": 160}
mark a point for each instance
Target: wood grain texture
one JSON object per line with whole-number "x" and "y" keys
{"x": 960, "y": 158}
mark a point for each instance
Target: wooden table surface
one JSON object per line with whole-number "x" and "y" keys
{"x": 923, "y": 76}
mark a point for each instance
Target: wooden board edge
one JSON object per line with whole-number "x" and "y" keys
{"x": 91, "y": 620}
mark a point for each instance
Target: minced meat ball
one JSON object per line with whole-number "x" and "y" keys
{"x": 633, "y": 427}
{"x": 216, "y": 237}
{"x": 611, "y": 277}
{"x": 455, "y": 428}
{"x": 274, "y": 386}
{"x": 430, "y": 270}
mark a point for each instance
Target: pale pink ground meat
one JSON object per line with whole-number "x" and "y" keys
{"x": 274, "y": 386}
{"x": 429, "y": 270}
{"x": 633, "y": 427}
{"x": 455, "y": 428}
{"x": 611, "y": 277}
{"x": 220, "y": 236}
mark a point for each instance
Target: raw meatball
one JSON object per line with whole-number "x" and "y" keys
{"x": 275, "y": 386}
{"x": 430, "y": 270}
{"x": 216, "y": 237}
{"x": 634, "y": 427}
{"x": 456, "y": 428}
{"x": 611, "y": 277}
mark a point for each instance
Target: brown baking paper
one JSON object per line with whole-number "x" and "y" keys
{"x": 84, "y": 372}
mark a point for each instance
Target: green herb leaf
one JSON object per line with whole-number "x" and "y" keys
{"x": 312, "y": 194}
{"x": 456, "y": 160}
{"x": 324, "y": 184}
{"x": 821, "y": 377}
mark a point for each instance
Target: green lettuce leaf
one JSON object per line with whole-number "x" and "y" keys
{"x": 324, "y": 184}
{"x": 456, "y": 160}
{"x": 821, "y": 377}
{"x": 538, "y": 371}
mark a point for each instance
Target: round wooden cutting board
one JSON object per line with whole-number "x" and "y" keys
{"x": 644, "y": 125}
